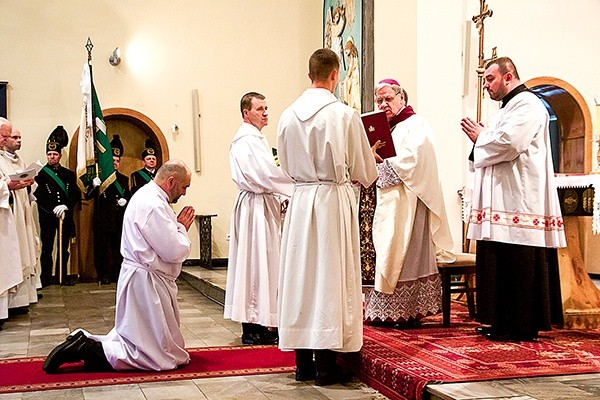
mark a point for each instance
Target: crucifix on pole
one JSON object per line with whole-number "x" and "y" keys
{"x": 484, "y": 12}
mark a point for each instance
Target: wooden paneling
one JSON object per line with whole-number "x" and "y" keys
{"x": 134, "y": 128}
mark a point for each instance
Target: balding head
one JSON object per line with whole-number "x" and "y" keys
{"x": 5, "y": 127}
{"x": 5, "y": 130}
{"x": 174, "y": 178}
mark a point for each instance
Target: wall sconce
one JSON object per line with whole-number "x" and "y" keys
{"x": 115, "y": 57}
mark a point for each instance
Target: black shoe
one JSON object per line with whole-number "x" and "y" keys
{"x": 105, "y": 281}
{"x": 95, "y": 359}
{"x": 482, "y": 330}
{"x": 70, "y": 280}
{"x": 338, "y": 376}
{"x": 69, "y": 351}
{"x": 250, "y": 338}
{"x": 303, "y": 375}
{"x": 497, "y": 337}
{"x": 259, "y": 338}
{"x": 18, "y": 311}
{"x": 305, "y": 365}
{"x": 270, "y": 336}
{"x": 328, "y": 372}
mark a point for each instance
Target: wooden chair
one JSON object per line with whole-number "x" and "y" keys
{"x": 464, "y": 265}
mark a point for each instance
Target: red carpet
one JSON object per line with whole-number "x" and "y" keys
{"x": 25, "y": 374}
{"x": 399, "y": 363}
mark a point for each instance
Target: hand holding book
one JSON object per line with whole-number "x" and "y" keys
{"x": 378, "y": 130}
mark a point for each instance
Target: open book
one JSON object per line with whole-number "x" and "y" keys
{"x": 377, "y": 128}
{"x": 28, "y": 173}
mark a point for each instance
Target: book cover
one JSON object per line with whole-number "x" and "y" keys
{"x": 377, "y": 128}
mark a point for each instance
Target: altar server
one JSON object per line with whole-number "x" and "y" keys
{"x": 322, "y": 145}
{"x": 253, "y": 269}
{"x": 515, "y": 215}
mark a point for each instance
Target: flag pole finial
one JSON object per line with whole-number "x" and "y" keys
{"x": 89, "y": 46}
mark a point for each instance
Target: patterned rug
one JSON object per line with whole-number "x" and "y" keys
{"x": 26, "y": 375}
{"x": 401, "y": 362}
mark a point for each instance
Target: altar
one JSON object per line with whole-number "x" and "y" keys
{"x": 581, "y": 257}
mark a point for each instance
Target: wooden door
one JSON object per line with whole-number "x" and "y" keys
{"x": 133, "y": 128}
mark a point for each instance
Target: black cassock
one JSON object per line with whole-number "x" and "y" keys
{"x": 108, "y": 224}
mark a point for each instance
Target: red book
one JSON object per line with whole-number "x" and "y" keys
{"x": 377, "y": 128}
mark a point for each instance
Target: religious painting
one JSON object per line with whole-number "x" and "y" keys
{"x": 346, "y": 25}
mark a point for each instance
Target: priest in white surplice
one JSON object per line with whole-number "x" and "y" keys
{"x": 515, "y": 215}
{"x": 322, "y": 145}
{"x": 255, "y": 235}
{"x": 10, "y": 163}
{"x": 410, "y": 228}
{"x": 147, "y": 334}
{"x": 10, "y": 264}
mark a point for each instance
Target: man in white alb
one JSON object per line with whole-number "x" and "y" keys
{"x": 21, "y": 205}
{"x": 11, "y": 273}
{"x": 147, "y": 334}
{"x": 323, "y": 146}
{"x": 253, "y": 270}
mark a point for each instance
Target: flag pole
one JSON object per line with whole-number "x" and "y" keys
{"x": 89, "y": 46}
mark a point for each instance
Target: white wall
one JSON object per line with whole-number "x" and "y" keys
{"x": 222, "y": 48}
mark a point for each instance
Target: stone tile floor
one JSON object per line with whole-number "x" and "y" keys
{"x": 89, "y": 306}
{"x": 86, "y": 305}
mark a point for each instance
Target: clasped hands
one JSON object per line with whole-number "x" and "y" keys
{"x": 186, "y": 216}
{"x": 471, "y": 128}
{"x": 60, "y": 210}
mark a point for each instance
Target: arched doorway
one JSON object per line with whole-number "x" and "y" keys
{"x": 574, "y": 133}
{"x": 572, "y": 121}
{"x": 133, "y": 128}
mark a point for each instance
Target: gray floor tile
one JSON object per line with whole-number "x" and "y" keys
{"x": 177, "y": 390}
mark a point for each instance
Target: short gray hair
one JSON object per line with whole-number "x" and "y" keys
{"x": 396, "y": 88}
{"x": 174, "y": 168}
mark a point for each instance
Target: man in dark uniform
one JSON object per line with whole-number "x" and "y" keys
{"x": 142, "y": 176}
{"x": 109, "y": 209}
{"x": 57, "y": 195}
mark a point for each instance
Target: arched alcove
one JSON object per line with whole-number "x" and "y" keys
{"x": 573, "y": 120}
{"x": 133, "y": 128}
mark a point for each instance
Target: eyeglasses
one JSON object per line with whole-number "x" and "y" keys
{"x": 388, "y": 99}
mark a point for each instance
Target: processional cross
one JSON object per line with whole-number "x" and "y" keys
{"x": 484, "y": 12}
